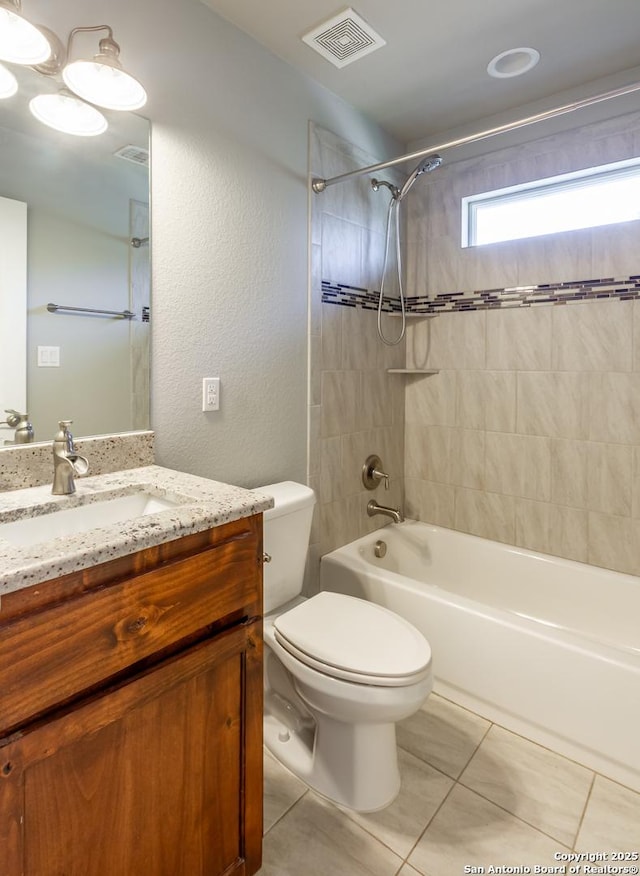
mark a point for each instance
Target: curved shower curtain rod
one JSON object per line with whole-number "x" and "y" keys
{"x": 319, "y": 185}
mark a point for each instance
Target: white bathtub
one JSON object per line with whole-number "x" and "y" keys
{"x": 546, "y": 647}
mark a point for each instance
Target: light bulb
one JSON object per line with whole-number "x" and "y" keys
{"x": 20, "y": 41}
{"x": 69, "y": 114}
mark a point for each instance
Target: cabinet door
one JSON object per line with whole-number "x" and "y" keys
{"x": 160, "y": 776}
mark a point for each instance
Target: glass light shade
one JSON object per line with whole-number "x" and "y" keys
{"x": 20, "y": 41}
{"x": 103, "y": 82}
{"x": 8, "y": 83}
{"x": 68, "y": 114}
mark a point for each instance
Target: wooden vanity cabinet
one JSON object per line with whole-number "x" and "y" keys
{"x": 131, "y": 714}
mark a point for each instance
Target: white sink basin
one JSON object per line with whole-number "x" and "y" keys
{"x": 82, "y": 518}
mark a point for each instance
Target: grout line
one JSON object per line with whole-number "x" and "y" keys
{"x": 286, "y": 811}
{"x": 584, "y": 811}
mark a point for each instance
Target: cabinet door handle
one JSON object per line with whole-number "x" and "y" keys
{"x": 266, "y": 558}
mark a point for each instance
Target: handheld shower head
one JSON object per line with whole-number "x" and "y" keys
{"x": 431, "y": 162}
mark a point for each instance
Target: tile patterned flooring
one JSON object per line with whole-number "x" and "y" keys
{"x": 473, "y": 796}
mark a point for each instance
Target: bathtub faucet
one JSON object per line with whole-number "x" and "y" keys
{"x": 394, "y": 513}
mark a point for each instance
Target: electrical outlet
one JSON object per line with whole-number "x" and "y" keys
{"x": 210, "y": 393}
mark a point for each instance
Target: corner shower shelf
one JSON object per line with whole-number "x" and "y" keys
{"x": 425, "y": 371}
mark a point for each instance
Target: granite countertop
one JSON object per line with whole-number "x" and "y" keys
{"x": 199, "y": 504}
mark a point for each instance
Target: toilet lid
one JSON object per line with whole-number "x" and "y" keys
{"x": 354, "y": 639}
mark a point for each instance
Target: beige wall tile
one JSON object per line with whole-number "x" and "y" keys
{"x": 569, "y": 467}
{"x": 518, "y": 465}
{"x": 315, "y": 290}
{"x": 341, "y": 251}
{"x": 429, "y": 501}
{"x": 313, "y": 455}
{"x": 614, "y": 408}
{"x": 467, "y": 458}
{"x": 610, "y": 478}
{"x": 552, "y": 529}
{"x": 615, "y": 249}
{"x": 377, "y": 392}
{"x": 331, "y": 332}
{"x": 330, "y": 479}
{"x": 439, "y": 265}
{"x": 519, "y": 339}
{"x": 553, "y": 404}
{"x": 613, "y": 542}
{"x": 568, "y": 256}
{"x": 427, "y": 452}
{"x": 457, "y": 343}
{"x": 592, "y": 336}
{"x": 359, "y": 340}
{"x": 488, "y": 515}
{"x": 419, "y": 343}
{"x": 532, "y": 525}
{"x": 636, "y": 335}
{"x": 486, "y": 400}
{"x": 635, "y": 487}
{"x": 431, "y": 401}
{"x": 568, "y": 533}
{"x": 341, "y": 402}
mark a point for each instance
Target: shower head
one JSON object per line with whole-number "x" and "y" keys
{"x": 431, "y": 162}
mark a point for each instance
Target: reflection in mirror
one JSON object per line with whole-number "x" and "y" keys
{"x": 74, "y": 231}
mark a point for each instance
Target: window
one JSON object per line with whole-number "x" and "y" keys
{"x": 598, "y": 196}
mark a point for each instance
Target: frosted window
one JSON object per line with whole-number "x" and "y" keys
{"x": 599, "y": 196}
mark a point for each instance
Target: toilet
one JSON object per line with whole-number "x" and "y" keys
{"x": 339, "y": 671}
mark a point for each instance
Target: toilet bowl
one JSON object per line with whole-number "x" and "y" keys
{"x": 339, "y": 671}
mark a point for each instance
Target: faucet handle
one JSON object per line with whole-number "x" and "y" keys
{"x": 372, "y": 473}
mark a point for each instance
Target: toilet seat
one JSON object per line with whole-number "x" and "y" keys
{"x": 355, "y": 640}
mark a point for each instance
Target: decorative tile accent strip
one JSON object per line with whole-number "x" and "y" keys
{"x": 624, "y": 289}
{"x": 354, "y": 296}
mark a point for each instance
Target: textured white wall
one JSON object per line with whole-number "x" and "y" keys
{"x": 229, "y": 231}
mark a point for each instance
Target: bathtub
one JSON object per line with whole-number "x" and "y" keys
{"x": 548, "y": 648}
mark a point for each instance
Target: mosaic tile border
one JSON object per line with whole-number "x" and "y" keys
{"x": 625, "y": 289}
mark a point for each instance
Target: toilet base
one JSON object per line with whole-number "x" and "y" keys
{"x": 354, "y": 765}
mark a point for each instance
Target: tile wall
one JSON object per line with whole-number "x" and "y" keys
{"x": 530, "y": 433}
{"x": 355, "y": 407}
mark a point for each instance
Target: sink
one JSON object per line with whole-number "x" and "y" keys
{"x": 82, "y": 518}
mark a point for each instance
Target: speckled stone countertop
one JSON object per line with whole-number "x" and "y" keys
{"x": 199, "y": 504}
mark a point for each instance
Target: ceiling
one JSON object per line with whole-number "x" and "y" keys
{"x": 431, "y": 77}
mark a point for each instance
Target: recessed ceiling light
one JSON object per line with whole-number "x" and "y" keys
{"x": 513, "y": 62}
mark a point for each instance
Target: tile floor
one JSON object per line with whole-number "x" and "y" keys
{"x": 474, "y": 795}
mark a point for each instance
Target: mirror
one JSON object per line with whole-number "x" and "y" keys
{"x": 74, "y": 232}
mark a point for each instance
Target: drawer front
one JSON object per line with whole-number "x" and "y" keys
{"x": 53, "y": 655}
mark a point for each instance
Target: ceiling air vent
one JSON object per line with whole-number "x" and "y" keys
{"x": 344, "y": 38}
{"x": 135, "y": 154}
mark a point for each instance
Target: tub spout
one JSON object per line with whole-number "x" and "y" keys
{"x": 394, "y": 513}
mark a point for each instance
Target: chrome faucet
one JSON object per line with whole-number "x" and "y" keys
{"x": 20, "y": 422}
{"x": 67, "y": 464}
{"x": 394, "y": 513}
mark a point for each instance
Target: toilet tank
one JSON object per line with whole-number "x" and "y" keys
{"x": 287, "y": 527}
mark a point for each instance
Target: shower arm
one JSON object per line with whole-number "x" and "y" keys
{"x": 319, "y": 185}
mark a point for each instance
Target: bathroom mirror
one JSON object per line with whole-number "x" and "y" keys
{"x": 74, "y": 232}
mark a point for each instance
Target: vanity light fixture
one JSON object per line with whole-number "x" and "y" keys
{"x": 102, "y": 80}
{"x": 67, "y": 113}
{"x": 8, "y": 83}
{"x": 20, "y": 41}
{"x": 97, "y": 82}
